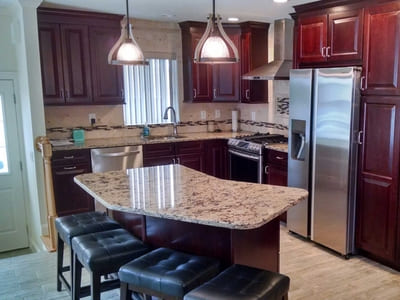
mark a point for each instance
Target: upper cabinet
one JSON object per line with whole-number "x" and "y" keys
{"x": 221, "y": 82}
{"x": 381, "y": 67}
{"x": 206, "y": 82}
{"x": 73, "y": 52}
{"x": 329, "y": 38}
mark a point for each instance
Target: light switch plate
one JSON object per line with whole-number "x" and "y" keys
{"x": 217, "y": 114}
{"x": 92, "y": 116}
{"x": 203, "y": 115}
{"x": 253, "y": 115}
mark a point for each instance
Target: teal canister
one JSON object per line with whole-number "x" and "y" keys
{"x": 78, "y": 135}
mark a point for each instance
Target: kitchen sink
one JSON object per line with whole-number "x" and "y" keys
{"x": 163, "y": 137}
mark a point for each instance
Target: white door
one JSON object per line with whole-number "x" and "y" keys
{"x": 13, "y": 232}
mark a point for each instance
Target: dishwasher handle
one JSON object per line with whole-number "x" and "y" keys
{"x": 118, "y": 154}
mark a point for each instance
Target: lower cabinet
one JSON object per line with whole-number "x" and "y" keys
{"x": 210, "y": 156}
{"x": 276, "y": 171}
{"x": 69, "y": 197}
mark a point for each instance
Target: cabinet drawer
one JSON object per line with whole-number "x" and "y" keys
{"x": 277, "y": 157}
{"x": 156, "y": 150}
{"x": 69, "y": 157}
{"x": 189, "y": 147}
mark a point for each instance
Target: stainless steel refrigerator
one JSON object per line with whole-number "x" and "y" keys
{"x": 323, "y": 142}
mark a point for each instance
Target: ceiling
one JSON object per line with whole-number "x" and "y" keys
{"x": 183, "y": 10}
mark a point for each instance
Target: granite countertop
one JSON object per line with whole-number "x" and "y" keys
{"x": 137, "y": 140}
{"x": 180, "y": 193}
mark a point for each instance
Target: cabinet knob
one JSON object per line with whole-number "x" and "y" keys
{"x": 194, "y": 93}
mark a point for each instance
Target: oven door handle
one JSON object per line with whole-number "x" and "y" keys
{"x": 255, "y": 158}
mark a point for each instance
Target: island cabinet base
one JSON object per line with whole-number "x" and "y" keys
{"x": 254, "y": 247}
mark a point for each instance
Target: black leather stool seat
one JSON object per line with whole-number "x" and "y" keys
{"x": 84, "y": 223}
{"x": 244, "y": 283}
{"x": 167, "y": 273}
{"x": 106, "y": 251}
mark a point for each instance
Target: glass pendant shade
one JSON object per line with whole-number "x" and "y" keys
{"x": 126, "y": 51}
{"x": 215, "y": 47}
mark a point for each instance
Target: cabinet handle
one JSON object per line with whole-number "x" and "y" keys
{"x": 359, "y": 141}
{"x": 215, "y": 93}
{"x": 323, "y": 51}
{"x": 327, "y": 51}
{"x": 195, "y": 93}
{"x": 178, "y": 160}
{"x": 247, "y": 94}
{"x": 362, "y": 83}
{"x": 69, "y": 157}
{"x": 279, "y": 157}
{"x": 266, "y": 170}
{"x": 67, "y": 94}
{"x": 70, "y": 168}
{"x": 174, "y": 161}
{"x": 122, "y": 93}
{"x": 62, "y": 94}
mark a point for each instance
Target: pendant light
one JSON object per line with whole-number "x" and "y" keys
{"x": 214, "y": 45}
{"x": 126, "y": 51}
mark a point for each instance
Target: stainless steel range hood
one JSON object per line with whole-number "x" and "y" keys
{"x": 279, "y": 68}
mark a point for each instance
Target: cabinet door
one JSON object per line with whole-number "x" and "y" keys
{"x": 312, "y": 39}
{"x": 201, "y": 73}
{"x": 382, "y": 49}
{"x": 51, "y": 63}
{"x": 69, "y": 197}
{"x": 217, "y": 158}
{"x": 194, "y": 161}
{"x": 158, "y": 161}
{"x": 76, "y": 63}
{"x": 377, "y": 201}
{"x": 226, "y": 79}
{"x": 107, "y": 80}
{"x": 345, "y": 36}
{"x": 158, "y": 154}
{"x": 276, "y": 175}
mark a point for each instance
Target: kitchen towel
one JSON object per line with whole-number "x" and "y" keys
{"x": 235, "y": 117}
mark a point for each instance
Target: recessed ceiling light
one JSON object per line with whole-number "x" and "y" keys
{"x": 233, "y": 19}
{"x": 280, "y": 1}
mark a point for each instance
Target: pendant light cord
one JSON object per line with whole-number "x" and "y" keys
{"x": 127, "y": 19}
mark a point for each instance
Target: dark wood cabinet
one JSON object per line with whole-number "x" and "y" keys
{"x": 73, "y": 50}
{"x": 381, "y": 67}
{"x": 69, "y": 197}
{"x": 189, "y": 154}
{"x": 217, "y": 158}
{"x": 276, "y": 170}
{"x": 207, "y": 82}
{"x": 254, "y": 53}
{"x": 377, "y": 202}
{"x": 333, "y": 38}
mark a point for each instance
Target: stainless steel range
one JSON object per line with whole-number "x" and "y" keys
{"x": 246, "y": 162}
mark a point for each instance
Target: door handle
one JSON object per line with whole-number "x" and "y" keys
{"x": 266, "y": 170}
{"x": 362, "y": 83}
{"x": 194, "y": 93}
{"x": 327, "y": 51}
{"x": 359, "y": 141}
{"x": 323, "y": 51}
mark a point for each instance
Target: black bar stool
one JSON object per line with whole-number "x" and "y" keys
{"x": 166, "y": 274}
{"x": 75, "y": 225}
{"x": 244, "y": 283}
{"x": 103, "y": 253}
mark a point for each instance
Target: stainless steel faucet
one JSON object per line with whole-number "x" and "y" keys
{"x": 173, "y": 116}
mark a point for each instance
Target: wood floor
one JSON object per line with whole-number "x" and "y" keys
{"x": 315, "y": 273}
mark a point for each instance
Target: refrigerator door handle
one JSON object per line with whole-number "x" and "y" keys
{"x": 301, "y": 148}
{"x": 359, "y": 139}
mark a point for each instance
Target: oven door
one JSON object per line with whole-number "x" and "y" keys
{"x": 245, "y": 166}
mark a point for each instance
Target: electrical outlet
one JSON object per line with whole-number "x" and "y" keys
{"x": 203, "y": 115}
{"x": 253, "y": 115}
{"x": 92, "y": 118}
{"x": 217, "y": 114}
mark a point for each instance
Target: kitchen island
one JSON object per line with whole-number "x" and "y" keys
{"x": 177, "y": 207}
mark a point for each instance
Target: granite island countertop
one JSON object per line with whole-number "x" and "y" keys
{"x": 137, "y": 140}
{"x": 180, "y": 193}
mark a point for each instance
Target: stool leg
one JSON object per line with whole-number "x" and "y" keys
{"x": 95, "y": 285}
{"x": 285, "y": 297}
{"x": 125, "y": 292}
{"x": 76, "y": 278}
{"x": 71, "y": 265}
{"x": 60, "y": 257}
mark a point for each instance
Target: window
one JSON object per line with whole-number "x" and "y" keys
{"x": 149, "y": 90}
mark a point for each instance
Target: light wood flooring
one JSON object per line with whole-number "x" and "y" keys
{"x": 315, "y": 273}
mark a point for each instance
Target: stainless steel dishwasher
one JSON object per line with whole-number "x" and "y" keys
{"x": 116, "y": 158}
